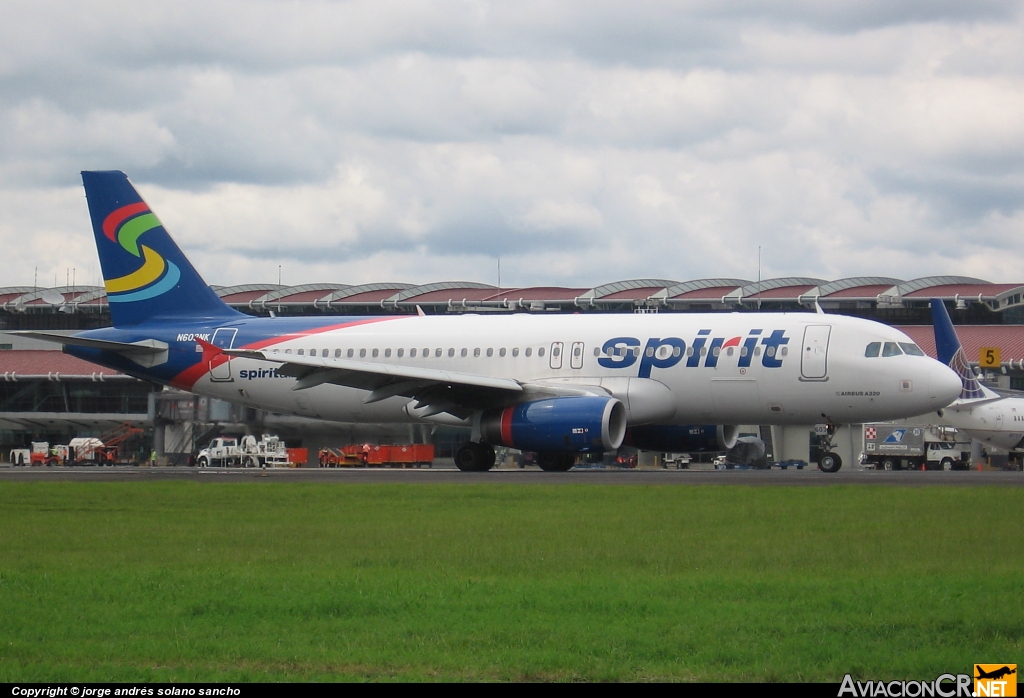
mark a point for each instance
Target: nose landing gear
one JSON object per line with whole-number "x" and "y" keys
{"x": 829, "y": 461}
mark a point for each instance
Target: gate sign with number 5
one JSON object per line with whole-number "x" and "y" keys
{"x": 989, "y": 357}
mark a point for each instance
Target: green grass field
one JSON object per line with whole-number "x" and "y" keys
{"x": 181, "y": 581}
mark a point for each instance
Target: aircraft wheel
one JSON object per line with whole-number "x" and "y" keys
{"x": 474, "y": 458}
{"x": 556, "y": 461}
{"x": 890, "y": 464}
{"x": 947, "y": 463}
{"x": 830, "y": 463}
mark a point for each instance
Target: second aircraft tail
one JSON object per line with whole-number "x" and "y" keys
{"x": 951, "y": 353}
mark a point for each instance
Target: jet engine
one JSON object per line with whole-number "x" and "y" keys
{"x": 557, "y": 424}
{"x": 672, "y": 438}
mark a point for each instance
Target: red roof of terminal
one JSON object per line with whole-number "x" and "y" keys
{"x": 244, "y": 296}
{"x": 633, "y": 293}
{"x": 369, "y": 296}
{"x": 453, "y": 294}
{"x": 712, "y": 293}
{"x": 870, "y": 292}
{"x": 540, "y": 293}
{"x": 783, "y": 292}
{"x": 1009, "y": 338}
{"x": 42, "y": 362}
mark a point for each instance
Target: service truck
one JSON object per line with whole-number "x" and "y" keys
{"x": 901, "y": 447}
{"x": 248, "y": 452}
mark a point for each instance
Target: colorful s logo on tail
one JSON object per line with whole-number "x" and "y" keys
{"x": 146, "y": 275}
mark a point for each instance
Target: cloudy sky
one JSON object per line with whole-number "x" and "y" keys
{"x": 579, "y": 141}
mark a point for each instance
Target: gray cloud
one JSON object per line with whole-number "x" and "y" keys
{"x": 581, "y": 142}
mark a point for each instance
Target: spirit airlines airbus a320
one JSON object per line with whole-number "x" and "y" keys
{"x": 556, "y": 385}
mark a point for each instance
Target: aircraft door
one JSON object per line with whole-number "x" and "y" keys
{"x": 556, "y": 355}
{"x": 225, "y": 339}
{"x": 814, "y": 356}
{"x": 576, "y": 358}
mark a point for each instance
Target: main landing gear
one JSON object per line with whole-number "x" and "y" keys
{"x": 474, "y": 457}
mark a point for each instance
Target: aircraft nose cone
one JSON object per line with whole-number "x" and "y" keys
{"x": 944, "y": 385}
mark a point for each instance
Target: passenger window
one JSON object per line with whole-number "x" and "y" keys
{"x": 515, "y": 351}
{"x": 426, "y": 353}
{"x": 324, "y": 353}
{"x": 540, "y": 352}
{"x": 501, "y": 352}
{"x": 490, "y": 352}
{"x": 375, "y": 353}
{"x": 529, "y": 350}
{"x": 873, "y": 349}
{"x": 597, "y": 351}
{"x": 464, "y": 352}
{"x": 337, "y": 353}
{"x": 911, "y": 349}
{"x": 770, "y": 351}
{"x": 362, "y": 353}
{"x": 287, "y": 351}
{"x": 350, "y": 353}
{"x": 412, "y": 353}
{"x": 689, "y": 351}
{"x": 649, "y": 352}
{"x": 785, "y": 351}
{"x": 302, "y": 352}
{"x": 891, "y": 349}
{"x": 451, "y": 352}
{"x": 729, "y": 351}
{"x": 476, "y": 352}
{"x": 401, "y": 353}
{"x": 757, "y": 351}
{"x": 717, "y": 351}
{"x": 677, "y": 352}
{"x": 387, "y": 353}
{"x": 437, "y": 352}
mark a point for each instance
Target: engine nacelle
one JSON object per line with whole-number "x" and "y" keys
{"x": 692, "y": 438}
{"x": 557, "y": 424}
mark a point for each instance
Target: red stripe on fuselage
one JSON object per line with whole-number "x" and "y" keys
{"x": 506, "y": 426}
{"x": 119, "y": 216}
{"x": 187, "y": 378}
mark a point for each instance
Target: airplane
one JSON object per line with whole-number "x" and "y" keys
{"x": 995, "y": 673}
{"x": 555, "y": 385}
{"x": 979, "y": 412}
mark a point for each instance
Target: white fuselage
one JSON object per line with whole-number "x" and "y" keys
{"x": 737, "y": 368}
{"x": 999, "y": 423}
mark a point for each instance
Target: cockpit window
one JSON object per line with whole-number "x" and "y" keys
{"x": 872, "y": 350}
{"x": 891, "y": 349}
{"x": 911, "y": 349}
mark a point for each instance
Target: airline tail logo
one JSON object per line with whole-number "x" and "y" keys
{"x": 156, "y": 275}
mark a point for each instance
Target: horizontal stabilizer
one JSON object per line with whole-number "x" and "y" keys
{"x": 144, "y": 348}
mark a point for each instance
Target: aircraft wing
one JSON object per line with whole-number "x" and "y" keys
{"x": 434, "y": 390}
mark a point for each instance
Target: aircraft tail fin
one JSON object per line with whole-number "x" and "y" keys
{"x": 951, "y": 353}
{"x": 145, "y": 273}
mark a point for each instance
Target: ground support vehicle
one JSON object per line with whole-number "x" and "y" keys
{"x": 268, "y": 451}
{"x": 892, "y": 447}
{"x": 783, "y": 464}
{"x": 378, "y": 456}
{"x": 345, "y": 457}
{"x": 249, "y": 452}
{"x": 679, "y": 461}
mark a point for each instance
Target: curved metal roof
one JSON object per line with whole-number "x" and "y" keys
{"x": 853, "y": 282}
{"x": 758, "y": 287}
{"x": 931, "y": 281}
{"x": 439, "y": 286}
{"x": 349, "y": 291}
{"x": 698, "y": 284}
{"x": 626, "y": 285}
{"x": 283, "y": 293}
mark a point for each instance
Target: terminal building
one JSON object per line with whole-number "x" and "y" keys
{"x": 46, "y": 395}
